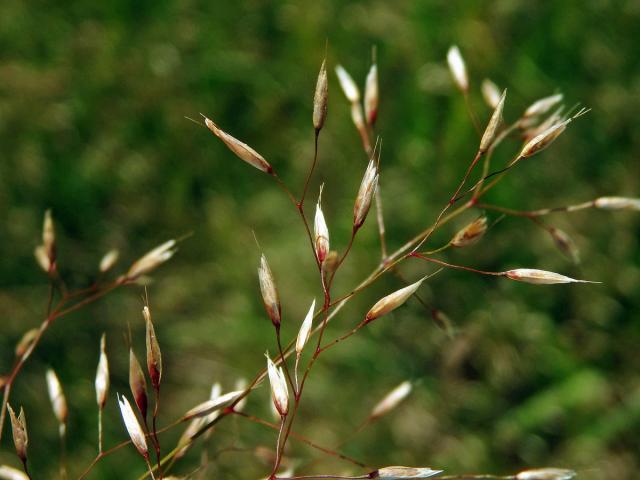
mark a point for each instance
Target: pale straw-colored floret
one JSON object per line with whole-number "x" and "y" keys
{"x": 347, "y": 84}
{"x": 57, "y": 398}
{"x": 305, "y": 329}
{"x": 542, "y": 106}
{"x": 133, "y": 426}
{"x": 321, "y": 231}
{"x": 269, "y": 292}
{"x": 546, "y": 474}
{"x": 109, "y": 260}
{"x": 404, "y": 473}
{"x": 470, "y": 234}
{"x": 213, "y": 405}
{"x": 320, "y": 98}
{"x": 279, "y": 390}
{"x": 492, "y": 127}
{"x": 392, "y": 301}
{"x": 391, "y": 400}
{"x": 371, "y": 95}
{"x": 540, "y": 277}
{"x": 617, "y": 203}
{"x": 152, "y": 259}
{"x": 102, "y": 375}
{"x": 10, "y": 473}
{"x": 365, "y": 195}
{"x": 490, "y": 93}
{"x": 458, "y": 68}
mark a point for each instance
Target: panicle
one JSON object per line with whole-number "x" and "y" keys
{"x": 321, "y": 232}
{"x": 102, "y": 374}
{"x": 26, "y": 341}
{"x": 269, "y": 292}
{"x": 305, "y": 329}
{"x": 542, "y": 106}
{"x": 19, "y": 431}
{"x": 10, "y": 473}
{"x": 152, "y": 259}
{"x": 109, "y": 260}
{"x": 540, "y": 277}
{"x": 367, "y": 189}
{"x": 242, "y": 150}
{"x": 546, "y": 474}
{"x": 618, "y": 203}
{"x": 57, "y": 398}
{"x": 490, "y": 132}
{"x": 391, "y": 400}
{"x": 392, "y": 301}
{"x": 279, "y": 389}
{"x": 458, "y": 68}
{"x": 133, "y": 426}
{"x": 347, "y": 84}
{"x": 371, "y": 95}
{"x": 138, "y": 384}
{"x": 154, "y": 357}
{"x": 490, "y": 93}
{"x": 403, "y": 473}
{"x": 320, "y": 98}
{"x": 470, "y": 234}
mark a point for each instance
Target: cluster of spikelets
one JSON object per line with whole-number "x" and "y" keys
{"x": 538, "y": 133}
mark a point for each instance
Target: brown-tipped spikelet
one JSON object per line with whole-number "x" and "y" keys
{"x": 617, "y": 203}
{"x": 138, "y": 384}
{"x": 242, "y": 150}
{"x": 321, "y": 231}
{"x": 371, "y": 95}
{"x": 19, "y": 431}
{"x": 458, "y": 69}
{"x": 269, "y": 292}
{"x": 154, "y": 357}
{"x": 492, "y": 126}
{"x": 403, "y": 473}
{"x": 305, "y": 329}
{"x": 321, "y": 98}
{"x": 542, "y": 106}
{"x": 470, "y": 234}
{"x": 279, "y": 389}
{"x": 490, "y": 93}
{"x": 26, "y": 341}
{"x": 49, "y": 236}
{"x": 347, "y": 84}
{"x": 109, "y": 260}
{"x": 365, "y": 195}
{"x": 102, "y": 374}
{"x": 391, "y": 400}
{"x": 392, "y": 301}
{"x": 540, "y": 277}
{"x": 133, "y": 426}
{"x": 546, "y": 474}
{"x": 58, "y": 400}
{"x": 152, "y": 259}
{"x": 10, "y": 473}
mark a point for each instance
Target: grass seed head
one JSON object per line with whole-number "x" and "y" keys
{"x": 26, "y": 341}
{"x": 152, "y": 259}
{"x": 320, "y": 98}
{"x": 138, "y": 384}
{"x": 242, "y": 150}
{"x": 618, "y": 203}
{"x": 10, "y": 473}
{"x": 490, "y": 93}
{"x": 365, "y": 195}
{"x": 279, "y": 389}
{"x": 546, "y": 474}
{"x": 494, "y": 122}
{"x": 371, "y": 95}
{"x": 19, "y": 431}
{"x": 403, "y": 473}
{"x": 347, "y": 84}
{"x": 269, "y": 292}
{"x": 57, "y": 398}
{"x": 40, "y": 253}
{"x": 102, "y": 374}
{"x": 391, "y": 400}
{"x": 213, "y": 405}
{"x": 392, "y": 301}
{"x": 470, "y": 234}
{"x": 321, "y": 231}
{"x": 49, "y": 236}
{"x": 457, "y": 68}
{"x": 133, "y": 426}
{"x": 109, "y": 260}
{"x": 543, "y": 140}
{"x": 305, "y": 329}
{"x": 542, "y": 106}
{"x": 154, "y": 357}
{"x": 540, "y": 277}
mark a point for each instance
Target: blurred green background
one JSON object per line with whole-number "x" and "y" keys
{"x": 93, "y": 99}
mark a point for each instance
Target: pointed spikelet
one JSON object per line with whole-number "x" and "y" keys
{"x": 347, "y": 84}
{"x": 210, "y": 406}
{"x": 102, "y": 374}
{"x": 26, "y": 341}
{"x": 321, "y": 231}
{"x": 109, "y": 260}
{"x": 152, "y": 260}
{"x": 42, "y": 258}
{"x": 470, "y": 234}
{"x": 320, "y": 98}
{"x": 154, "y": 357}
{"x": 10, "y": 473}
{"x": 49, "y": 236}
{"x": 19, "y": 431}
{"x": 365, "y": 195}
{"x": 391, "y": 400}
{"x": 542, "y": 106}
{"x": 138, "y": 384}
{"x": 279, "y": 389}
{"x": 490, "y": 93}
{"x": 133, "y": 426}
{"x": 492, "y": 126}
{"x": 617, "y": 203}
{"x": 403, "y": 473}
{"x": 371, "y": 95}
{"x": 392, "y": 301}
{"x": 269, "y": 292}
{"x": 305, "y": 329}
{"x": 242, "y": 150}
{"x": 546, "y": 474}
{"x": 57, "y": 398}
{"x": 458, "y": 69}
{"x": 540, "y": 277}
{"x": 565, "y": 244}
